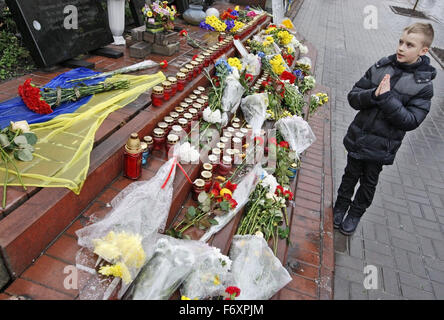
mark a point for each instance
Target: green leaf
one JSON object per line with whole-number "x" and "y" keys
{"x": 31, "y": 138}
{"x": 20, "y": 140}
{"x": 4, "y": 141}
{"x": 206, "y": 208}
{"x": 202, "y": 197}
{"x": 23, "y": 155}
{"x": 224, "y": 205}
{"x": 213, "y": 221}
{"x": 191, "y": 212}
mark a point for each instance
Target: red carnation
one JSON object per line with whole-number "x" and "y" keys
{"x": 289, "y": 193}
{"x": 284, "y": 144}
{"x": 288, "y": 76}
{"x": 195, "y": 56}
{"x": 183, "y": 32}
{"x": 163, "y": 64}
{"x": 233, "y": 203}
{"x": 233, "y": 291}
{"x": 230, "y": 186}
{"x": 249, "y": 77}
{"x": 31, "y": 97}
{"x": 216, "y": 186}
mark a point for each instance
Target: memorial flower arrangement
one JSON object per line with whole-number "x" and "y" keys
{"x": 217, "y": 201}
{"x": 43, "y": 100}
{"x": 16, "y": 142}
{"x": 159, "y": 14}
{"x": 317, "y": 100}
{"x": 121, "y": 251}
{"x": 277, "y": 64}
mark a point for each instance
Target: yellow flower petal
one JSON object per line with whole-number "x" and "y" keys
{"x": 225, "y": 191}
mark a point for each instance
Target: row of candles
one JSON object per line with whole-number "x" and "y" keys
{"x": 191, "y": 70}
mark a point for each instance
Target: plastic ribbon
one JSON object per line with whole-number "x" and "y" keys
{"x": 175, "y": 162}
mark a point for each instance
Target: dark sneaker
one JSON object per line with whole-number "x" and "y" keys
{"x": 338, "y": 216}
{"x": 349, "y": 225}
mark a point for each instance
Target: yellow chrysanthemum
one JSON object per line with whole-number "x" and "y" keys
{"x": 270, "y": 30}
{"x": 118, "y": 270}
{"x": 216, "y": 280}
{"x": 287, "y": 24}
{"x": 277, "y": 64}
{"x": 235, "y": 62}
{"x": 284, "y": 37}
{"x": 236, "y": 8}
{"x": 269, "y": 38}
{"x": 237, "y": 25}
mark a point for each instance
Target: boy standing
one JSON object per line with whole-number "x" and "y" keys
{"x": 393, "y": 97}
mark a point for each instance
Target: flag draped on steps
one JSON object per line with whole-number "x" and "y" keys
{"x": 62, "y": 153}
{"x": 16, "y": 110}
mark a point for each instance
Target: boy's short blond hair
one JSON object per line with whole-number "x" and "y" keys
{"x": 425, "y": 28}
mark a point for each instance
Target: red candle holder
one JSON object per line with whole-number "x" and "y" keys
{"x": 157, "y": 96}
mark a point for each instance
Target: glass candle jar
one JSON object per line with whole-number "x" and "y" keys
{"x": 208, "y": 167}
{"x": 198, "y": 187}
{"x": 170, "y": 122}
{"x": 230, "y": 153}
{"x": 205, "y": 99}
{"x": 149, "y": 141}
{"x": 293, "y": 169}
{"x": 235, "y": 120}
{"x": 157, "y": 96}
{"x": 177, "y": 130}
{"x": 207, "y": 177}
{"x": 225, "y": 141}
{"x": 199, "y": 109}
{"x": 225, "y": 166}
{"x": 188, "y": 101}
{"x": 181, "y": 81}
{"x": 184, "y": 105}
{"x": 189, "y": 117}
{"x": 200, "y": 62}
{"x": 240, "y": 136}
{"x": 196, "y": 93}
{"x": 173, "y": 82}
{"x": 228, "y": 135}
{"x": 172, "y": 139}
{"x": 190, "y": 69}
{"x": 201, "y": 90}
{"x": 216, "y": 152}
{"x": 231, "y": 130}
{"x": 184, "y": 124}
{"x": 145, "y": 152}
{"x": 207, "y": 60}
{"x": 195, "y": 65}
{"x": 193, "y": 97}
{"x": 236, "y": 126}
{"x": 179, "y": 110}
{"x": 237, "y": 143}
{"x": 167, "y": 91}
{"x": 221, "y": 146}
{"x": 164, "y": 126}
{"x": 214, "y": 161}
{"x": 222, "y": 36}
{"x": 194, "y": 113}
{"x": 175, "y": 116}
{"x": 237, "y": 156}
{"x": 200, "y": 101}
{"x": 158, "y": 139}
{"x": 132, "y": 157}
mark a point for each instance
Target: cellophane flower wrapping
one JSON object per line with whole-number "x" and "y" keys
{"x": 210, "y": 276}
{"x": 140, "y": 210}
{"x": 297, "y": 132}
{"x": 256, "y": 270}
{"x": 171, "y": 264}
{"x": 241, "y": 194}
{"x": 252, "y": 63}
{"x": 254, "y": 108}
{"x": 232, "y": 95}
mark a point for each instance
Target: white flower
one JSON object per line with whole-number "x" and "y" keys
{"x": 22, "y": 125}
{"x": 235, "y": 73}
{"x": 303, "y": 49}
{"x": 212, "y": 116}
{"x": 269, "y": 195}
{"x": 259, "y": 234}
{"x": 270, "y": 182}
{"x": 188, "y": 153}
{"x": 295, "y": 42}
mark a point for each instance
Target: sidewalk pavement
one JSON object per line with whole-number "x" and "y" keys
{"x": 402, "y": 233}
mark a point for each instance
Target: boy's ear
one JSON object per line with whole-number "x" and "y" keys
{"x": 423, "y": 51}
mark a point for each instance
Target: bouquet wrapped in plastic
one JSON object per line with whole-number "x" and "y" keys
{"x": 256, "y": 270}
{"x": 252, "y": 64}
{"x": 232, "y": 95}
{"x": 173, "y": 262}
{"x": 297, "y": 132}
{"x": 254, "y": 108}
{"x": 210, "y": 276}
{"x": 240, "y": 195}
{"x": 125, "y": 238}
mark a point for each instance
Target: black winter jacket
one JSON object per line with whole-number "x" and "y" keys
{"x": 377, "y": 131}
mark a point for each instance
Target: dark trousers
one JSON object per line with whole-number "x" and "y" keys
{"x": 367, "y": 173}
